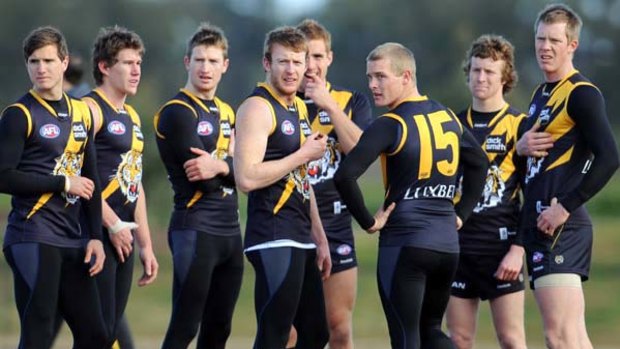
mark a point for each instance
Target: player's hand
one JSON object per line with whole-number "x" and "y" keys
{"x": 510, "y": 266}
{"x": 231, "y": 144}
{"x": 122, "y": 238}
{"x": 202, "y": 167}
{"x": 316, "y": 90}
{"x": 150, "y": 265}
{"x": 551, "y": 218}
{"x": 314, "y": 147}
{"x": 324, "y": 260}
{"x": 95, "y": 256}
{"x": 459, "y": 223}
{"x": 381, "y": 218}
{"x": 534, "y": 143}
{"x": 81, "y": 186}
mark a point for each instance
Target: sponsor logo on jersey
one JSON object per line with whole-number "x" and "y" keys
{"x": 559, "y": 259}
{"x": 539, "y": 268}
{"x": 213, "y": 109}
{"x": 439, "y": 191}
{"x": 116, "y": 127}
{"x": 324, "y": 118}
{"x": 480, "y": 125}
{"x": 344, "y": 250}
{"x": 459, "y": 285}
{"x": 138, "y": 132}
{"x": 225, "y": 128}
{"x": 50, "y": 131}
{"x": 532, "y": 110}
{"x": 339, "y": 207}
{"x": 537, "y": 257}
{"x": 204, "y": 128}
{"x": 287, "y": 128}
{"x": 502, "y": 286}
{"x": 495, "y": 144}
{"x": 345, "y": 261}
{"x": 79, "y": 131}
{"x": 305, "y": 128}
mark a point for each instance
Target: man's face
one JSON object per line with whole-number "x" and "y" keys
{"x": 205, "y": 68}
{"x": 286, "y": 69}
{"x": 124, "y": 75}
{"x": 386, "y": 87}
{"x": 553, "y": 49}
{"x": 485, "y": 78}
{"x": 319, "y": 60}
{"x": 46, "y": 69}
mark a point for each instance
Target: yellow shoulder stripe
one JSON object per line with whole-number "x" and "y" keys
{"x": 26, "y": 114}
{"x": 404, "y": 134}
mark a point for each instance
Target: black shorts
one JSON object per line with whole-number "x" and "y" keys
{"x": 475, "y": 278}
{"x": 568, "y": 251}
{"x": 343, "y": 256}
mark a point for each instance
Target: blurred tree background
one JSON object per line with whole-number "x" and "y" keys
{"x": 438, "y": 32}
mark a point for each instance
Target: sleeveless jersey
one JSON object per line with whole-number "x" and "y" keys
{"x": 281, "y": 211}
{"x": 55, "y": 145}
{"x": 214, "y": 212}
{"x": 119, "y": 143}
{"x": 567, "y": 161}
{"x": 334, "y": 215}
{"x": 493, "y": 224}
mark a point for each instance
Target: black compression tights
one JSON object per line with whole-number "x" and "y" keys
{"x": 414, "y": 285}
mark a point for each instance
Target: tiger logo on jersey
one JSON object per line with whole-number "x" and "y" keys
{"x": 494, "y": 188}
{"x": 300, "y": 178}
{"x": 222, "y": 154}
{"x": 69, "y": 164}
{"x": 534, "y": 166}
{"x": 324, "y": 168}
{"x": 129, "y": 174}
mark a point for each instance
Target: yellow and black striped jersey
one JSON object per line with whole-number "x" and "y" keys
{"x": 281, "y": 211}
{"x": 55, "y": 144}
{"x": 334, "y": 215}
{"x": 583, "y": 158}
{"x": 492, "y": 226}
{"x": 119, "y": 143}
{"x": 188, "y": 121}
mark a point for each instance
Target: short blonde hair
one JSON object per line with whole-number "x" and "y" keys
{"x": 561, "y": 13}
{"x": 401, "y": 58}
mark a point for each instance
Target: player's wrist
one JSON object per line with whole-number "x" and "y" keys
{"x": 67, "y": 184}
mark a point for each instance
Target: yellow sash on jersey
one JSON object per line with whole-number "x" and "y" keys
{"x": 342, "y": 98}
{"x": 79, "y": 112}
{"x": 227, "y": 115}
{"x": 137, "y": 146}
{"x": 301, "y": 172}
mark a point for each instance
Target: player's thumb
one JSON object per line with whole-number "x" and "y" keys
{"x": 198, "y": 151}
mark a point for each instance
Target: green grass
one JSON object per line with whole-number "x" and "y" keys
{"x": 149, "y": 307}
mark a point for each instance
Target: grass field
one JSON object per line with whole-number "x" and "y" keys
{"x": 149, "y": 307}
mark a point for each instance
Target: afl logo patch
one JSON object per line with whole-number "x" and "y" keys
{"x": 287, "y": 128}
{"x": 116, "y": 128}
{"x": 50, "y": 131}
{"x": 344, "y": 250}
{"x": 532, "y": 110}
{"x": 204, "y": 128}
{"x": 537, "y": 257}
